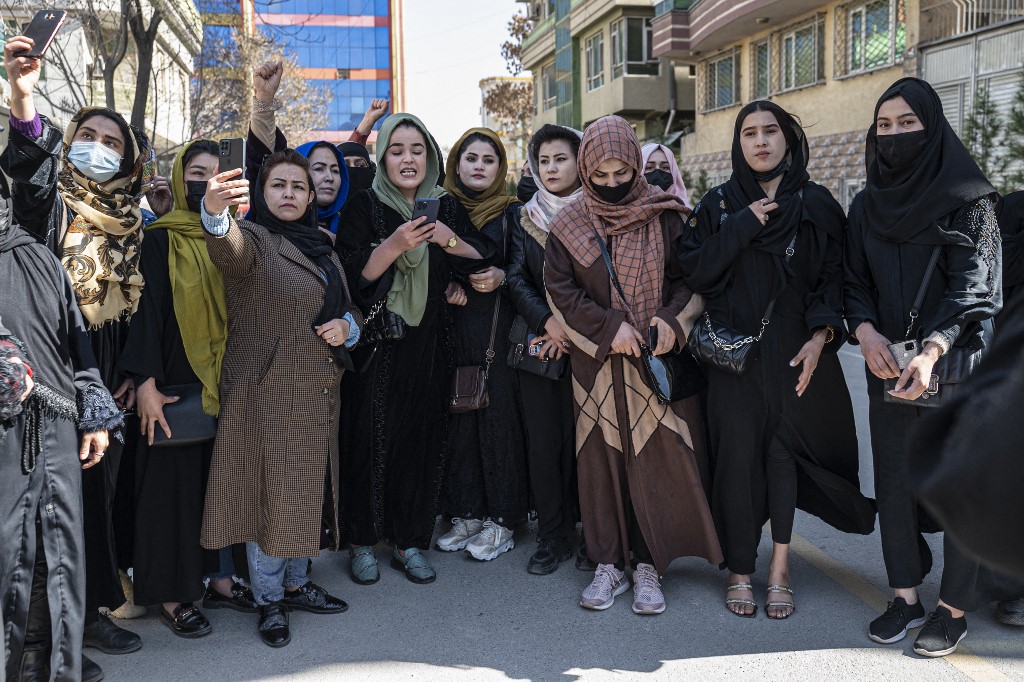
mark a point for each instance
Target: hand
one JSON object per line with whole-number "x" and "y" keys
{"x": 124, "y": 396}
{"x": 377, "y": 110}
{"x": 442, "y": 233}
{"x": 267, "y": 79}
{"x": 809, "y": 355}
{"x": 334, "y": 332}
{"x": 22, "y": 72}
{"x": 222, "y": 192}
{"x": 627, "y": 340}
{"x": 915, "y": 378}
{"x": 159, "y": 195}
{"x": 762, "y": 208}
{"x": 29, "y": 383}
{"x": 666, "y": 336}
{"x": 94, "y": 446}
{"x": 455, "y": 294}
{"x": 151, "y": 409}
{"x": 875, "y": 349}
{"x": 411, "y": 234}
{"x": 556, "y": 332}
{"x": 549, "y": 348}
{"x": 487, "y": 280}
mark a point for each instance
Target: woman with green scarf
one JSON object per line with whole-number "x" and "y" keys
{"x": 178, "y": 337}
{"x": 395, "y": 412}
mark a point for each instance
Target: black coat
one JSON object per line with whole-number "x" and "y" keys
{"x": 525, "y": 274}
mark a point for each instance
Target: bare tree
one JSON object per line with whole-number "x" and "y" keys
{"x": 510, "y": 102}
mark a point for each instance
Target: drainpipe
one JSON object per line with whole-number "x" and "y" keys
{"x": 671, "y": 96}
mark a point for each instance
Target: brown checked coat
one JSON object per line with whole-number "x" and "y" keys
{"x": 277, "y": 438}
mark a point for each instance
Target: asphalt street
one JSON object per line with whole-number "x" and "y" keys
{"x": 494, "y": 621}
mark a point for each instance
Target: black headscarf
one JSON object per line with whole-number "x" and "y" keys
{"x": 314, "y": 245}
{"x": 934, "y": 176}
{"x": 359, "y": 178}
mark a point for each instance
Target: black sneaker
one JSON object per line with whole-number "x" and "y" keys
{"x": 1010, "y": 612}
{"x": 91, "y": 671}
{"x": 583, "y": 562}
{"x": 549, "y": 554}
{"x": 941, "y": 634}
{"x": 892, "y": 625}
{"x": 314, "y": 599}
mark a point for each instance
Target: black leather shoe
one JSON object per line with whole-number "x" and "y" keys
{"x": 35, "y": 664}
{"x": 549, "y": 554}
{"x": 187, "y": 621}
{"x": 1010, "y": 612}
{"x": 109, "y": 638}
{"x": 241, "y": 599}
{"x": 313, "y": 598}
{"x": 583, "y": 562}
{"x": 91, "y": 671}
{"x": 273, "y": 625}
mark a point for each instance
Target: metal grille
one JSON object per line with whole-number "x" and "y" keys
{"x": 719, "y": 81}
{"x": 869, "y": 35}
{"x": 792, "y": 57}
{"x": 761, "y": 69}
{"x": 947, "y": 18}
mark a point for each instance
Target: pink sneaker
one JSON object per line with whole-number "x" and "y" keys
{"x": 648, "y": 599}
{"x": 609, "y": 582}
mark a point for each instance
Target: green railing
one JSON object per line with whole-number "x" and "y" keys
{"x": 666, "y": 6}
{"x": 539, "y": 30}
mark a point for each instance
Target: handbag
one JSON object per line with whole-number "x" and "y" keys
{"x": 672, "y": 376}
{"x": 381, "y": 325}
{"x": 521, "y": 358}
{"x": 188, "y": 423}
{"x": 951, "y": 369}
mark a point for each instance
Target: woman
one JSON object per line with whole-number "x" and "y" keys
{"x": 641, "y": 465}
{"x": 796, "y": 444}
{"x": 394, "y": 440}
{"x": 274, "y": 476}
{"x": 330, "y": 178}
{"x": 547, "y": 403}
{"x": 78, "y": 191}
{"x": 487, "y": 488}
{"x": 925, "y": 198}
{"x": 661, "y": 169}
{"x": 177, "y": 338}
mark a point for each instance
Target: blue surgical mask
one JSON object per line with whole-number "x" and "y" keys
{"x": 95, "y": 161}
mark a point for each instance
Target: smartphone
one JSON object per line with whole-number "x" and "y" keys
{"x": 232, "y": 154}
{"x": 42, "y": 30}
{"x": 903, "y": 352}
{"x": 533, "y": 345}
{"x": 426, "y": 207}
{"x": 652, "y": 338}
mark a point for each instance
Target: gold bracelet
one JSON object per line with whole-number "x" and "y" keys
{"x": 831, "y": 336}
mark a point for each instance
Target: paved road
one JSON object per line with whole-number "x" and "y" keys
{"x": 493, "y": 621}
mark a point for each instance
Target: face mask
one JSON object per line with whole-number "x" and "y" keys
{"x": 526, "y": 188}
{"x": 195, "y": 190}
{"x": 94, "y": 160}
{"x": 659, "y": 178}
{"x": 614, "y": 195}
{"x": 900, "y": 151}
{"x": 773, "y": 173}
{"x": 359, "y": 177}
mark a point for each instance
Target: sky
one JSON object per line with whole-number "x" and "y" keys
{"x": 450, "y": 45}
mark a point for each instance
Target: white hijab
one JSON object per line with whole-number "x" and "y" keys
{"x": 544, "y": 205}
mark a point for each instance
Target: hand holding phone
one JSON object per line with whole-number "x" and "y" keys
{"x": 232, "y": 154}
{"x": 42, "y": 30}
{"x": 427, "y": 208}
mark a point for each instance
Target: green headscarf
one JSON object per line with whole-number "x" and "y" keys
{"x": 408, "y": 294}
{"x": 197, "y": 289}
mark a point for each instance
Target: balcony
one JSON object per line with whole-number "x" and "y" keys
{"x": 941, "y": 19}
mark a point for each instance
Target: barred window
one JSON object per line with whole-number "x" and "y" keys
{"x": 721, "y": 81}
{"x": 869, "y": 35}
{"x": 803, "y": 56}
{"x": 595, "y": 61}
{"x": 760, "y": 56}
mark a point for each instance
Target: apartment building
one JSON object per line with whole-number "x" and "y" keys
{"x": 591, "y": 58}
{"x": 828, "y": 62}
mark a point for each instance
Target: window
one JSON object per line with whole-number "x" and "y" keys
{"x": 618, "y": 44}
{"x": 869, "y": 36}
{"x": 632, "y": 45}
{"x": 595, "y": 61}
{"x": 549, "y": 86}
{"x": 803, "y": 56}
{"x": 721, "y": 81}
{"x": 760, "y": 55}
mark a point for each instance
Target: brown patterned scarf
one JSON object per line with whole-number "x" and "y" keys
{"x": 637, "y": 246}
{"x": 102, "y": 246}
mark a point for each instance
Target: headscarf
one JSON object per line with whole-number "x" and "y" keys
{"x": 678, "y": 186}
{"x": 328, "y": 215}
{"x": 197, "y": 289}
{"x": 306, "y": 236}
{"x": 543, "y": 206}
{"x": 485, "y": 206}
{"x": 904, "y": 204}
{"x": 358, "y": 178}
{"x": 408, "y": 294}
{"x": 637, "y": 245}
{"x": 102, "y": 246}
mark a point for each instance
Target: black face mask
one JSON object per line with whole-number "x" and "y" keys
{"x": 773, "y": 173}
{"x": 659, "y": 178}
{"x": 359, "y": 177}
{"x": 899, "y": 152}
{"x": 195, "y": 190}
{"x": 526, "y": 188}
{"x": 614, "y": 195}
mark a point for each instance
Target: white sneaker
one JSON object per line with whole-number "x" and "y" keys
{"x": 491, "y": 541}
{"x": 609, "y": 582}
{"x": 457, "y": 538}
{"x": 648, "y": 599}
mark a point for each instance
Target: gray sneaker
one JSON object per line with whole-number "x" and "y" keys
{"x": 609, "y": 582}
{"x": 492, "y": 540}
{"x": 648, "y": 599}
{"x": 458, "y": 537}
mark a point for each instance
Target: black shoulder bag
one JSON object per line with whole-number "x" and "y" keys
{"x": 672, "y": 376}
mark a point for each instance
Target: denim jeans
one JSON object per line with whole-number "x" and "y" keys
{"x": 227, "y": 565}
{"x": 269, "y": 575}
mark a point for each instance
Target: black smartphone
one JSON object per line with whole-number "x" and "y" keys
{"x": 426, "y": 207}
{"x": 232, "y": 154}
{"x": 42, "y": 30}
{"x": 652, "y": 337}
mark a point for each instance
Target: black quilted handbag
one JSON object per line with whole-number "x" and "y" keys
{"x": 673, "y": 376}
{"x": 381, "y": 325}
{"x": 723, "y": 347}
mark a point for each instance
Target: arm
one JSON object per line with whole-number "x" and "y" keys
{"x": 355, "y": 246}
{"x": 527, "y": 295}
{"x": 824, "y": 303}
{"x": 264, "y": 137}
{"x": 377, "y": 110}
{"x": 681, "y": 305}
{"x": 859, "y": 291}
{"x": 708, "y": 250}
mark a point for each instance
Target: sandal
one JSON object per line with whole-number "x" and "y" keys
{"x": 742, "y": 602}
{"x": 779, "y": 604}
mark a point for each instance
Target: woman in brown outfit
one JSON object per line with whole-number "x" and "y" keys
{"x": 641, "y": 465}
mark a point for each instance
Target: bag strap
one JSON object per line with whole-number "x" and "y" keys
{"x": 489, "y": 355}
{"x": 915, "y": 311}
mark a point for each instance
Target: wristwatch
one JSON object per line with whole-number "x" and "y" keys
{"x": 450, "y": 244}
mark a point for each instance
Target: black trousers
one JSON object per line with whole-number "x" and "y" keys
{"x": 551, "y": 453}
{"x": 102, "y": 581}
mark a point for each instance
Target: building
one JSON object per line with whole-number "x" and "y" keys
{"x": 828, "y": 62}
{"x": 514, "y": 137}
{"x": 591, "y": 58}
